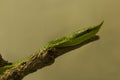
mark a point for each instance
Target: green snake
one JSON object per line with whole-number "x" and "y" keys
{"x": 70, "y": 40}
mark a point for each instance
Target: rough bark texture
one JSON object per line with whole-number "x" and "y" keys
{"x": 37, "y": 61}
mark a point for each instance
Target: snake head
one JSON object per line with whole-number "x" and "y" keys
{"x": 76, "y": 37}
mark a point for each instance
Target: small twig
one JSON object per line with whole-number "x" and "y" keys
{"x": 3, "y": 62}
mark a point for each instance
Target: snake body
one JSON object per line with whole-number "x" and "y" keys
{"x": 75, "y": 38}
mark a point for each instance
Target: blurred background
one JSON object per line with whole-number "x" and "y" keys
{"x": 27, "y": 25}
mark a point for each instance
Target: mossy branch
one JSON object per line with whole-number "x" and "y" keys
{"x": 47, "y": 55}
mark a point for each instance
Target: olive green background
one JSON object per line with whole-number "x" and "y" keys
{"x": 26, "y": 25}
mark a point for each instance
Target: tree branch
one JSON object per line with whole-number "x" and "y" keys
{"x": 39, "y": 60}
{"x": 47, "y": 55}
